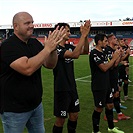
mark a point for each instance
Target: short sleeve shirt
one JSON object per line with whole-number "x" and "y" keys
{"x": 64, "y": 79}
{"x": 99, "y": 79}
{"x": 19, "y": 93}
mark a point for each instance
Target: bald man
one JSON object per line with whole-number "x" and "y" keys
{"x": 21, "y": 87}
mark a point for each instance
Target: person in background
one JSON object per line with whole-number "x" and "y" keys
{"x": 113, "y": 73}
{"x": 127, "y": 67}
{"x": 100, "y": 83}
{"x": 66, "y": 100}
{"x": 123, "y": 75}
{"x": 20, "y": 75}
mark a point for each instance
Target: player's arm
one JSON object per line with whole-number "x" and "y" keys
{"x": 105, "y": 66}
{"x": 126, "y": 55}
{"x": 118, "y": 59}
{"x": 77, "y": 51}
{"x": 87, "y": 26}
{"x": 83, "y": 46}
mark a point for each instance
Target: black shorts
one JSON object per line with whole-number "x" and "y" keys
{"x": 120, "y": 81}
{"x": 65, "y": 102}
{"x": 122, "y": 74}
{"x": 114, "y": 85}
{"x": 102, "y": 97}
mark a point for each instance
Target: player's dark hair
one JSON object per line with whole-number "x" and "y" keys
{"x": 99, "y": 37}
{"x": 62, "y": 24}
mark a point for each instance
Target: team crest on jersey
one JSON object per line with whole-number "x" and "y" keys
{"x": 70, "y": 49}
{"x": 58, "y": 51}
{"x": 96, "y": 59}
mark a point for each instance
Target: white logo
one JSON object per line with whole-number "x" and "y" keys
{"x": 58, "y": 51}
{"x": 96, "y": 59}
{"x": 63, "y": 113}
{"x": 70, "y": 49}
{"x": 77, "y": 102}
{"x": 111, "y": 95}
{"x": 113, "y": 90}
{"x": 100, "y": 103}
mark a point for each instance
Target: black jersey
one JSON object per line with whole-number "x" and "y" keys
{"x": 19, "y": 93}
{"x": 100, "y": 79}
{"x": 125, "y": 49}
{"x": 114, "y": 70}
{"x": 64, "y": 79}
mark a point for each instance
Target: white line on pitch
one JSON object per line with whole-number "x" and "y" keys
{"x": 83, "y": 80}
{"x": 83, "y": 77}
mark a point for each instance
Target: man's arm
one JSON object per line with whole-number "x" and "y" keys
{"x": 51, "y": 61}
{"x": 46, "y": 57}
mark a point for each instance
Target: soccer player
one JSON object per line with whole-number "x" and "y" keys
{"x": 113, "y": 73}
{"x": 100, "y": 83}
{"x": 66, "y": 101}
{"x": 127, "y": 67}
{"x": 123, "y": 75}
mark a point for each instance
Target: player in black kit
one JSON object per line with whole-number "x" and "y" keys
{"x": 100, "y": 85}
{"x": 66, "y": 101}
{"x": 111, "y": 48}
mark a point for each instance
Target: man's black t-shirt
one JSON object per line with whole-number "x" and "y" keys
{"x": 19, "y": 93}
{"x": 64, "y": 79}
{"x": 100, "y": 79}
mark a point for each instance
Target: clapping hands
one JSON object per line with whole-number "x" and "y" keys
{"x": 54, "y": 38}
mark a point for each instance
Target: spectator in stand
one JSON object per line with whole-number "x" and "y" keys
{"x": 20, "y": 75}
{"x": 100, "y": 85}
{"x": 66, "y": 101}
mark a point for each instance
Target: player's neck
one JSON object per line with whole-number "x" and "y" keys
{"x": 112, "y": 46}
{"x": 99, "y": 48}
{"x": 62, "y": 43}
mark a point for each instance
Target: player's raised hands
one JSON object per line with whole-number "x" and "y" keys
{"x": 85, "y": 29}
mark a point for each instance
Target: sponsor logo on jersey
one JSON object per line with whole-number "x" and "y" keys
{"x": 68, "y": 60}
{"x": 96, "y": 59}
{"x": 100, "y": 103}
{"x": 76, "y": 102}
{"x": 111, "y": 95}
